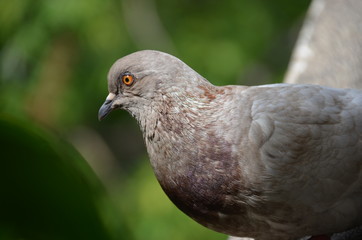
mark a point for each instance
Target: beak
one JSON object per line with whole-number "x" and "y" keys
{"x": 106, "y": 108}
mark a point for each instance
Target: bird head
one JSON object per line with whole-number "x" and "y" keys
{"x": 141, "y": 78}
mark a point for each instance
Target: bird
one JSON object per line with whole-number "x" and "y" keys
{"x": 277, "y": 161}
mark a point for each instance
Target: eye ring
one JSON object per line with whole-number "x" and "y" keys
{"x": 127, "y": 79}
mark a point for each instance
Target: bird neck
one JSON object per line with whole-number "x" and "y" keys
{"x": 186, "y": 129}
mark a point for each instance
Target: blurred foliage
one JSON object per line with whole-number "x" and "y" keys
{"x": 54, "y": 58}
{"x": 47, "y": 190}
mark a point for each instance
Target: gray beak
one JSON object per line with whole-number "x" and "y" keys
{"x": 106, "y": 108}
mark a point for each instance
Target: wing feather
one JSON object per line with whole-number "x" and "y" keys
{"x": 310, "y": 142}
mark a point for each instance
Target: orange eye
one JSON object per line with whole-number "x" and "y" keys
{"x": 127, "y": 79}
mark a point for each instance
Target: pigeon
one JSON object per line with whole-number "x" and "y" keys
{"x": 277, "y": 161}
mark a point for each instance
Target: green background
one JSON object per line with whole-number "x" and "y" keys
{"x": 63, "y": 174}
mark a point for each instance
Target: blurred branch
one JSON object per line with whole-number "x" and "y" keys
{"x": 329, "y": 49}
{"x": 97, "y": 153}
{"x": 145, "y": 26}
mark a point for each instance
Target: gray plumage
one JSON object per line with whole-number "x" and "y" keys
{"x": 276, "y": 161}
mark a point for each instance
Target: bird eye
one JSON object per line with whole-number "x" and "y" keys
{"x": 127, "y": 79}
